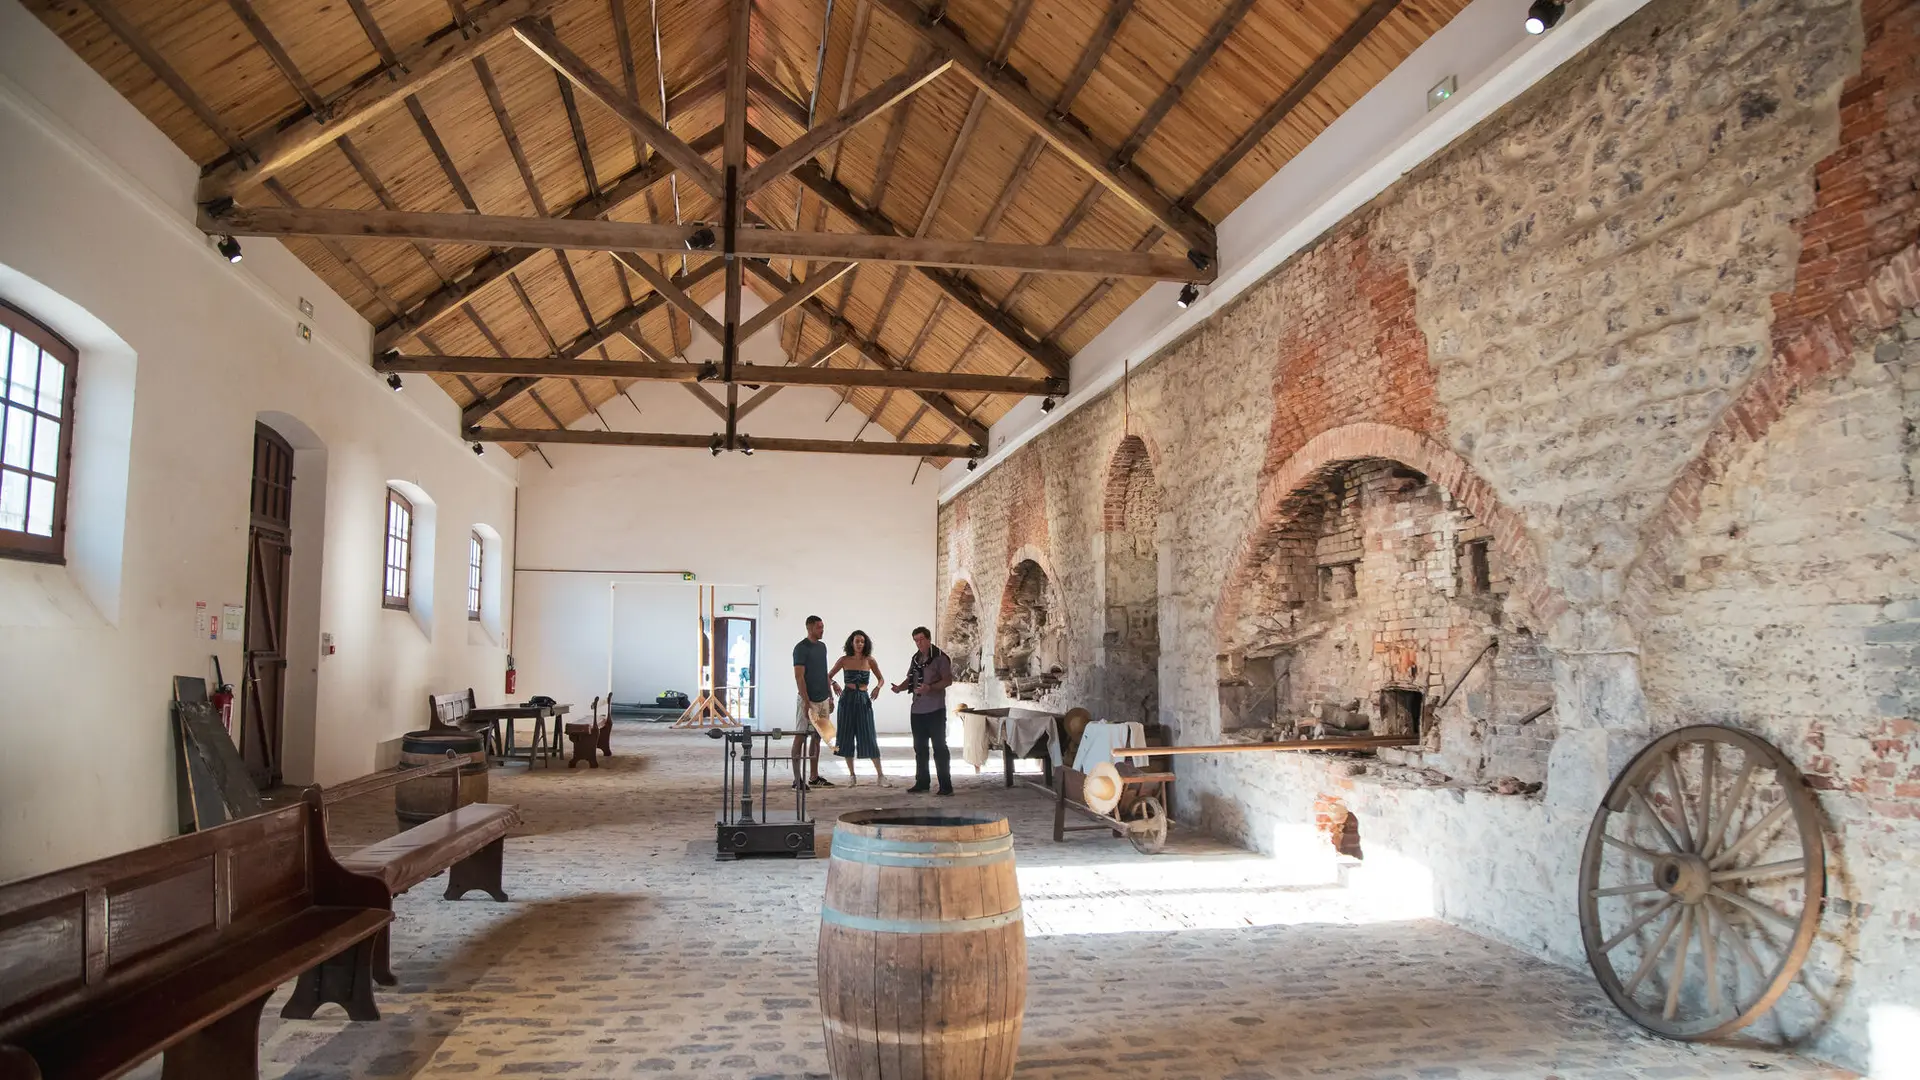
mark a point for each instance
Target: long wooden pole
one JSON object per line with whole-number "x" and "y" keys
{"x": 1358, "y": 742}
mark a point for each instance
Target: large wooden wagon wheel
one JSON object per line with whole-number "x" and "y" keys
{"x": 1701, "y": 882}
{"x": 1148, "y": 829}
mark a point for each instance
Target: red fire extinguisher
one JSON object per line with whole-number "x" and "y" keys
{"x": 222, "y": 696}
{"x": 512, "y": 676}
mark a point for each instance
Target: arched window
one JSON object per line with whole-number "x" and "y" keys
{"x": 37, "y": 374}
{"x": 399, "y": 568}
{"x": 476, "y": 550}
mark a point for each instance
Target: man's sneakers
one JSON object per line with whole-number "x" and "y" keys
{"x": 821, "y": 781}
{"x": 917, "y": 790}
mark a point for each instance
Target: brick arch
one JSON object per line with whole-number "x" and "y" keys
{"x": 1132, "y": 453}
{"x": 960, "y": 596}
{"x": 1358, "y": 442}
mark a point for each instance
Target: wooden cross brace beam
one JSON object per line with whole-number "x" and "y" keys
{"x": 750, "y": 374}
{"x": 741, "y": 441}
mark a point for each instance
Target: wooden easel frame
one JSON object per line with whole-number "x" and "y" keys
{"x": 708, "y": 709}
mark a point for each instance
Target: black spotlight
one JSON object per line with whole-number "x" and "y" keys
{"x": 1200, "y": 259}
{"x": 1543, "y": 14}
{"x": 716, "y": 445}
{"x": 746, "y": 447}
{"x": 709, "y": 371}
{"x": 478, "y": 449}
{"x": 1047, "y": 404}
{"x": 973, "y": 464}
{"x": 1188, "y": 294}
{"x": 393, "y": 380}
{"x": 700, "y": 240}
{"x": 228, "y": 247}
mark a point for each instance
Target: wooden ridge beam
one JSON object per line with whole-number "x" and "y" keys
{"x": 824, "y": 135}
{"x": 546, "y": 44}
{"x": 498, "y": 231}
{"x": 489, "y": 271}
{"x": 418, "y": 68}
{"x": 1051, "y": 358}
{"x": 749, "y": 374}
{"x": 1009, "y": 88}
{"x": 706, "y": 442}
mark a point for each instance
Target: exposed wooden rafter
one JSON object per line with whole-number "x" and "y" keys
{"x": 556, "y": 367}
{"x": 821, "y": 136}
{"x": 706, "y": 442}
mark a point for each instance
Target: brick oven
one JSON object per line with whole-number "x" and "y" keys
{"x": 1030, "y": 647}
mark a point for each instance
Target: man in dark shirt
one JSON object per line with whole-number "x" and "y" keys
{"x": 928, "y": 676}
{"x": 815, "y": 700}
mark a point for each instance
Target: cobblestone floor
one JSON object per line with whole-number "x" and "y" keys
{"x": 628, "y": 951}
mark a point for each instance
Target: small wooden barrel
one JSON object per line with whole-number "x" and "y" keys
{"x": 923, "y": 954}
{"x": 423, "y": 800}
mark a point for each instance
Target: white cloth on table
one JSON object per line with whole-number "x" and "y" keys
{"x": 1022, "y": 730}
{"x": 1100, "y": 738}
{"x": 973, "y": 740}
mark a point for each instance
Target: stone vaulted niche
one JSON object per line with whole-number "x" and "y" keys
{"x": 1030, "y": 648}
{"x": 962, "y": 638}
{"x": 1380, "y": 607}
{"x": 1129, "y": 682}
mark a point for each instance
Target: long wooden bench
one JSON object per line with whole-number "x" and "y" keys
{"x": 469, "y": 843}
{"x": 175, "y": 949}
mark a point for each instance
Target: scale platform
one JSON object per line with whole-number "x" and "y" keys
{"x": 781, "y": 834}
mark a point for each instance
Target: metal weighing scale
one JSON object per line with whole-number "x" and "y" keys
{"x": 738, "y": 829}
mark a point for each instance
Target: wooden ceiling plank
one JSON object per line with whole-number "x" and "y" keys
{"x": 293, "y": 140}
{"x": 824, "y": 135}
{"x": 452, "y": 172}
{"x": 380, "y": 192}
{"x": 547, "y": 46}
{"x": 1098, "y": 292}
{"x": 1072, "y": 221}
{"x": 534, "y": 393}
{"x": 623, "y": 43}
{"x": 1223, "y": 28}
{"x": 484, "y": 71}
{"x": 702, "y": 442}
{"x": 793, "y": 298}
{"x": 1090, "y": 57}
{"x": 341, "y": 255}
{"x": 809, "y": 373}
{"x": 622, "y": 236}
{"x": 856, "y": 52}
{"x": 885, "y": 311}
{"x": 263, "y": 36}
{"x": 579, "y": 130}
{"x": 820, "y": 356}
{"x": 1321, "y": 67}
{"x": 371, "y": 27}
{"x": 573, "y": 286}
{"x": 952, "y": 165}
{"x": 890, "y": 149}
{"x": 533, "y": 314}
{"x": 777, "y": 99}
{"x": 673, "y": 294}
{"x": 135, "y": 40}
{"x": 489, "y": 271}
{"x": 739, "y": 37}
{"x": 1015, "y": 181}
{"x": 1010, "y": 89}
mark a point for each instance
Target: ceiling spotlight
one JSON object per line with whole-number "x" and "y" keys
{"x": 1543, "y": 14}
{"x": 393, "y": 380}
{"x": 1188, "y": 294}
{"x": 709, "y": 371}
{"x": 228, "y": 247}
{"x": 746, "y": 447}
{"x": 973, "y": 464}
{"x": 478, "y": 449}
{"x": 1200, "y": 259}
{"x": 716, "y": 445}
{"x": 1047, "y": 404}
{"x": 700, "y": 240}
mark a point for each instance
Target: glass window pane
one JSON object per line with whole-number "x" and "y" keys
{"x": 13, "y": 500}
{"x": 19, "y": 437}
{"x": 40, "y": 508}
{"x": 46, "y": 447}
{"x": 25, "y": 371}
{"x": 53, "y": 384}
{"x": 6, "y": 350}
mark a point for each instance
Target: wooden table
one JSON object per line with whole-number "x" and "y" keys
{"x": 996, "y": 719}
{"x": 494, "y": 715}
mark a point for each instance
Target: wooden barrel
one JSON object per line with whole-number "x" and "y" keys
{"x": 923, "y": 954}
{"x": 423, "y": 800}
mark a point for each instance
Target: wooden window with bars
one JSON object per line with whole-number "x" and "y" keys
{"x": 37, "y": 375}
{"x": 476, "y": 547}
{"x": 399, "y": 561}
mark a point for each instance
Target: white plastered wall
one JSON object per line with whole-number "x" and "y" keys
{"x": 96, "y": 232}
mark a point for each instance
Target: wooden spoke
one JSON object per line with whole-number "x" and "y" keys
{"x": 1731, "y": 808}
{"x": 1729, "y": 911}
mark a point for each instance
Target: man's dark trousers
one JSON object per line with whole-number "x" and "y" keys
{"x": 930, "y": 732}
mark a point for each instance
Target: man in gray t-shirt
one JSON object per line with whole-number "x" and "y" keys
{"x": 815, "y": 700}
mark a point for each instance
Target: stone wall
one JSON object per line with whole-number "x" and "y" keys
{"x": 1650, "y": 332}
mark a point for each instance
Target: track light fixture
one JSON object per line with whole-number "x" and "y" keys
{"x": 1047, "y": 404}
{"x": 700, "y": 239}
{"x": 973, "y": 464}
{"x": 228, "y": 247}
{"x": 716, "y": 445}
{"x": 478, "y": 449}
{"x": 746, "y": 446}
{"x": 1200, "y": 259}
{"x": 1543, "y": 14}
{"x": 1188, "y": 294}
{"x": 393, "y": 380}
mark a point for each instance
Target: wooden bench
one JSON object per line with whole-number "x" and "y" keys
{"x": 469, "y": 843}
{"x": 593, "y": 733}
{"x": 176, "y": 947}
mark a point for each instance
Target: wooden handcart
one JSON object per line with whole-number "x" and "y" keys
{"x": 1140, "y": 815}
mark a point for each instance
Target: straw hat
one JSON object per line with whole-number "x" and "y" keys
{"x": 821, "y": 713}
{"x": 1102, "y": 788}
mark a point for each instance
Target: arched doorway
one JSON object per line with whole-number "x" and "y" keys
{"x": 1030, "y": 645}
{"x": 1129, "y": 683}
{"x": 960, "y": 632}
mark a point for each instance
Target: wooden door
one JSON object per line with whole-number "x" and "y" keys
{"x": 269, "y": 549}
{"x": 733, "y": 660}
